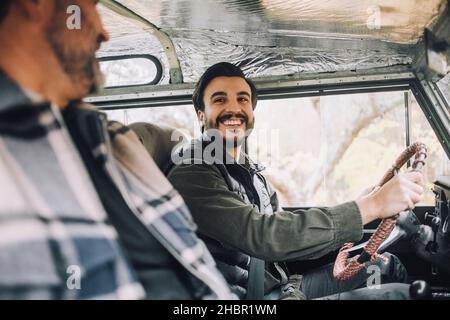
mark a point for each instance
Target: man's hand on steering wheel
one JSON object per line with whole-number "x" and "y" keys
{"x": 398, "y": 194}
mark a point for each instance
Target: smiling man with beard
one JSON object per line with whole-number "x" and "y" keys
{"x": 84, "y": 211}
{"x": 239, "y": 218}
{"x": 232, "y": 125}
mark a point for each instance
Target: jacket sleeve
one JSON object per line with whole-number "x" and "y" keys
{"x": 223, "y": 215}
{"x": 273, "y": 198}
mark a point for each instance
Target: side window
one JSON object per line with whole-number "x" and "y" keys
{"x": 323, "y": 151}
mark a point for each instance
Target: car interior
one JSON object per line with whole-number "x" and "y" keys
{"x": 344, "y": 87}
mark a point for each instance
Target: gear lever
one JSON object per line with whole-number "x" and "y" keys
{"x": 420, "y": 290}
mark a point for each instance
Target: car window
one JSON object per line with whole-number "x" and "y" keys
{"x": 131, "y": 71}
{"x": 323, "y": 151}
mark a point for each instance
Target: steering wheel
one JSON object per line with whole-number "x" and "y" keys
{"x": 384, "y": 236}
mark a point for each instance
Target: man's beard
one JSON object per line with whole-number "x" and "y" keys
{"x": 81, "y": 67}
{"x": 233, "y": 142}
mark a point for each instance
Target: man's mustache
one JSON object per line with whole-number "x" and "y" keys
{"x": 230, "y": 115}
{"x": 100, "y": 39}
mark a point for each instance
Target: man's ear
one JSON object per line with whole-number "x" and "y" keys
{"x": 202, "y": 119}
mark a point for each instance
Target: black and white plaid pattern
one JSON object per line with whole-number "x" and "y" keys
{"x": 54, "y": 241}
{"x": 51, "y": 219}
{"x": 168, "y": 219}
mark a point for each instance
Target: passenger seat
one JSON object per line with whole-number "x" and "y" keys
{"x": 157, "y": 140}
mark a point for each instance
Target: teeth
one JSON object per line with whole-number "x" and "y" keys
{"x": 232, "y": 122}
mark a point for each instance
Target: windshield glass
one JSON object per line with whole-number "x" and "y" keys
{"x": 322, "y": 151}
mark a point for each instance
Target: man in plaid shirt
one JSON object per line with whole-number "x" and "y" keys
{"x": 67, "y": 175}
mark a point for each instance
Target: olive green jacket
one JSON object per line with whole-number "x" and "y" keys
{"x": 222, "y": 215}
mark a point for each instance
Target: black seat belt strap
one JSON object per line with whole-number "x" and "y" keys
{"x": 255, "y": 286}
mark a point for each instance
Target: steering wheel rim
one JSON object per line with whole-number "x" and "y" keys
{"x": 344, "y": 269}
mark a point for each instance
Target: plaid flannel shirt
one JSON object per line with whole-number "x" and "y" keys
{"x": 159, "y": 206}
{"x": 54, "y": 239}
{"x": 147, "y": 192}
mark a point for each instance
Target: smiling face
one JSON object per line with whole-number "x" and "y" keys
{"x": 228, "y": 108}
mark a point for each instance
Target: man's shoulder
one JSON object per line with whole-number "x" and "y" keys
{"x": 193, "y": 168}
{"x": 116, "y": 127}
{"x": 190, "y": 158}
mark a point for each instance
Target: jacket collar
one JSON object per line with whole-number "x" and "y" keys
{"x": 253, "y": 166}
{"x": 197, "y": 147}
{"x": 11, "y": 95}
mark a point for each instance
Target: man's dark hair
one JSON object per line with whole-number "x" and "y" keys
{"x": 4, "y": 8}
{"x": 222, "y": 69}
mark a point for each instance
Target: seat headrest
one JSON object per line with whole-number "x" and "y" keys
{"x": 157, "y": 140}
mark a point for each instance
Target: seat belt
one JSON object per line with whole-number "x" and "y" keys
{"x": 256, "y": 277}
{"x": 256, "y": 272}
